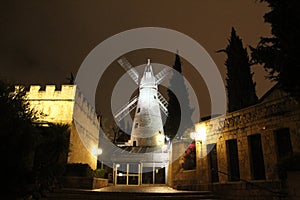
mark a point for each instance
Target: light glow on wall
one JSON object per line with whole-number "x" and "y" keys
{"x": 200, "y": 132}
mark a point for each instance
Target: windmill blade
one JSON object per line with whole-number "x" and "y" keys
{"x": 161, "y": 75}
{"x": 127, "y": 108}
{"x": 129, "y": 69}
{"x": 163, "y": 104}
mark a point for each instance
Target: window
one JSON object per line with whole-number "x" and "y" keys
{"x": 189, "y": 157}
{"x": 283, "y": 143}
{"x": 136, "y": 125}
{"x": 154, "y": 97}
{"x": 233, "y": 160}
{"x": 213, "y": 162}
{"x": 256, "y": 157}
{"x": 138, "y": 110}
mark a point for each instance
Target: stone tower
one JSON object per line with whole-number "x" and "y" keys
{"x": 147, "y": 129}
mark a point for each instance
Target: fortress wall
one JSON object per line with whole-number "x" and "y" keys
{"x": 51, "y": 105}
{"x": 86, "y": 132}
{"x": 69, "y": 106}
{"x": 79, "y": 151}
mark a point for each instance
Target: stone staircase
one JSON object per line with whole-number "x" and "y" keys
{"x": 129, "y": 194}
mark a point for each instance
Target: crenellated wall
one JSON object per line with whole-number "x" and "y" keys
{"x": 54, "y": 106}
{"x": 87, "y": 128}
{"x": 69, "y": 106}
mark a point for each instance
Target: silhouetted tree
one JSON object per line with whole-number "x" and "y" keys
{"x": 240, "y": 86}
{"x": 173, "y": 120}
{"x": 71, "y": 79}
{"x": 17, "y": 142}
{"x": 280, "y": 54}
{"x": 110, "y": 129}
{"x": 32, "y": 157}
{"x": 51, "y": 155}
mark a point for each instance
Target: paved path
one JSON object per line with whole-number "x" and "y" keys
{"x": 130, "y": 193}
{"x": 141, "y": 189}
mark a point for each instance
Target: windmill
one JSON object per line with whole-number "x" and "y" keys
{"x": 147, "y": 128}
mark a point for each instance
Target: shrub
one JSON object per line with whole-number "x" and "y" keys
{"x": 79, "y": 169}
{"x": 99, "y": 173}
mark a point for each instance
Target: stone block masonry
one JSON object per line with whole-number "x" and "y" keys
{"x": 69, "y": 106}
{"x": 247, "y": 150}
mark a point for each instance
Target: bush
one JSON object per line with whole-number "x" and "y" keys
{"x": 79, "y": 169}
{"x": 33, "y": 157}
{"x": 83, "y": 170}
{"x": 99, "y": 173}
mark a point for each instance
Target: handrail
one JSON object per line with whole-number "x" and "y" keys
{"x": 277, "y": 193}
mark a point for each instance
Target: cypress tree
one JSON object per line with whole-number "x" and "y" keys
{"x": 172, "y": 125}
{"x": 279, "y": 53}
{"x": 240, "y": 86}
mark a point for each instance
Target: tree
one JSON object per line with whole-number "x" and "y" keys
{"x": 51, "y": 155}
{"x": 71, "y": 79}
{"x": 240, "y": 86}
{"x": 32, "y": 157}
{"x": 17, "y": 139}
{"x": 279, "y": 54}
{"x": 172, "y": 124}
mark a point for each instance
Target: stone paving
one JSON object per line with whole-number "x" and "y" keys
{"x": 142, "y": 189}
{"x": 130, "y": 193}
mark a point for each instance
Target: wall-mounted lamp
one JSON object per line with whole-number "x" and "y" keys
{"x": 200, "y": 133}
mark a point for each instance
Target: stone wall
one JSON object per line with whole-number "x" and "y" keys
{"x": 86, "y": 128}
{"x": 79, "y": 151}
{"x": 293, "y": 185}
{"x": 83, "y": 182}
{"x": 273, "y": 113}
{"x": 178, "y": 177}
{"x": 52, "y": 106}
{"x": 69, "y": 106}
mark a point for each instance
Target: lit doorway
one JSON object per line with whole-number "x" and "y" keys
{"x": 127, "y": 174}
{"x": 140, "y": 173}
{"x": 153, "y": 173}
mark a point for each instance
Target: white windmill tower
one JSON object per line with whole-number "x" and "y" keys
{"x": 147, "y": 128}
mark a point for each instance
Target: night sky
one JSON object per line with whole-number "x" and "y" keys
{"x": 42, "y": 42}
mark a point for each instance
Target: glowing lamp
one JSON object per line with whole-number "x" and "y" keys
{"x": 96, "y": 151}
{"x": 200, "y": 132}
